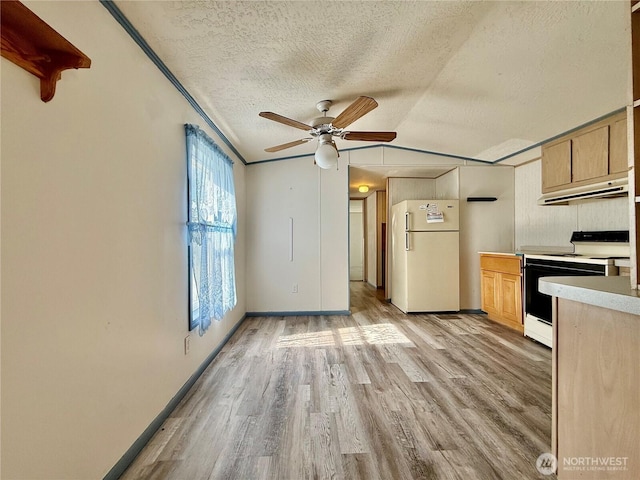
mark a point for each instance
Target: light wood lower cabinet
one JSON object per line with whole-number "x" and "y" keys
{"x": 511, "y": 289}
{"x": 501, "y": 289}
{"x": 596, "y": 392}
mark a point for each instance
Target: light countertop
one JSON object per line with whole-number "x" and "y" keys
{"x": 614, "y": 293}
{"x": 507, "y": 254}
{"x": 622, "y": 262}
{"x": 544, "y": 250}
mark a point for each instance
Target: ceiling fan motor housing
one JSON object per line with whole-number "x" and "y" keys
{"x": 322, "y": 124}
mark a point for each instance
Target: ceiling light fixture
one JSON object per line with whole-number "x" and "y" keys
{"x": 326, "y": 155}
{"x": 363, "y": 188}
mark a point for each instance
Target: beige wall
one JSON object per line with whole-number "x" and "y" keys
{"x": 94, "y": 265}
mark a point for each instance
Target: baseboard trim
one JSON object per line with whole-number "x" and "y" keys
{"x": 118, "y": 469}
{"x": 298, "y": 314}
{"x": 473, "y": 311}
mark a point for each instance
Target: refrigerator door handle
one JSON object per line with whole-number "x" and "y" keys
{"x": 406, "y": 241}
{"x": 406, "y": 221}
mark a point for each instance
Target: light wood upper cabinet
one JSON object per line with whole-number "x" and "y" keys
{"x": 618, "y": 156}
{"x": 590, "y": 154}
{"x": 556, "y": 165}
{"x": 593, "y": 154}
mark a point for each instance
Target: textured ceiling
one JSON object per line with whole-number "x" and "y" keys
{"x": 476, "y": 79}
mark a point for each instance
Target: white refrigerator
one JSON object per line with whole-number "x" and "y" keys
{"x": 425, "y": 261}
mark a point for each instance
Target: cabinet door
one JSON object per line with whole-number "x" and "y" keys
{"x": 556, "y": 165}
{"x": 618, "y": 160}
{"x": 590, "y": 155}
{"x": 490, "y": 292}
{"x": 511, "y": 297}
{"x": 596, "y": 388}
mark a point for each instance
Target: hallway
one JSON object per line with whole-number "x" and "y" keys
{"x": 374, "y": 395}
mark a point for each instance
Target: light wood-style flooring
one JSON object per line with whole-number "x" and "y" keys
{"x": 374, "y": 395}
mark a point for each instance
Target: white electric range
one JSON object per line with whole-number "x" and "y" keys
{"x": 594, "y": 253}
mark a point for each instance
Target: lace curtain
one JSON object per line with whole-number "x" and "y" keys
{"x": 212, "y": 229}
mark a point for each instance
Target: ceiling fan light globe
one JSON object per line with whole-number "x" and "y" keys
{"x": 326, "y": 156}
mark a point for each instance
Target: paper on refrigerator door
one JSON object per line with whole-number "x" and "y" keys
{"x": 434, "y": 215}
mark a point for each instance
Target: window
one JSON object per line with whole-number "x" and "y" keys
{"x": 212, "y": 230}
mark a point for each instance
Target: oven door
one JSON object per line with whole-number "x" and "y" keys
{"x": 539, "y": 304}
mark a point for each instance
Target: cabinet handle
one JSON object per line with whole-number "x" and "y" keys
{"x": 406, "y": 220}
{"x": 406, "y": 241}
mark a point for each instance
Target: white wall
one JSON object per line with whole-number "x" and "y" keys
{"x": 448, "y": 185}
{"x": 387, "y": 155}
{"x": 399, "y": 189}
{"x": 552, "y": 225}
{"x": 371, "y": 208}
{"x": 484, "y": 226}
{"x": 94, "y": 250}
{"x": 381, "y": 225}
{"x": 318, "y": 202}
{"x": 334, "y": 251}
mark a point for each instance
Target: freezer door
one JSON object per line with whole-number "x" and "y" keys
{"x": 433, "y": 266}
{"x": 423, "y": 215}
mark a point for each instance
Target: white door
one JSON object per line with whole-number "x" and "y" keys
{"x": 356, "y": 241}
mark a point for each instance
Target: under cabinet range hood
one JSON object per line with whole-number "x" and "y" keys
{"x": 612, "y": 188}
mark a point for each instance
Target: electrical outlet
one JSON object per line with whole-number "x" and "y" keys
{"x": 294, "y": 288}
{"x": 187, "y": 344}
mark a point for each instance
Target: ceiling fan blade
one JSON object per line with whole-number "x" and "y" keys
{"x": 277, "y": 148}
{"x": 287, "y": 121}
{"x": 369, "y": 136}
{"x": 360, "y": 107}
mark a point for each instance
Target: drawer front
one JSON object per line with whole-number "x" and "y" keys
{"x": 500, "y": 263}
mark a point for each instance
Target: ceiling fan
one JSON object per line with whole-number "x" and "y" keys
{"x": 324, "y": 128}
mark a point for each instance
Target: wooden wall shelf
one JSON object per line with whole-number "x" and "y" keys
{"x": 481, "y": 199}
{"x": 33, "y": 45}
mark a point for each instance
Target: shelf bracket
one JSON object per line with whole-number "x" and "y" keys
{"x": 33, "y": 45}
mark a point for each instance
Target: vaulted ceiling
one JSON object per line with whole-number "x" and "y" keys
{"x": 476, "y": 79}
